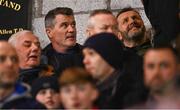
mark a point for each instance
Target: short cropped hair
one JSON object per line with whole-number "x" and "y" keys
{"x": 127, "y": 9}
{"x": 50, "y": 16}
{"x": 97, "y": 12}
{"x": 100, "y": 11}
{"x": 75, "y": 75}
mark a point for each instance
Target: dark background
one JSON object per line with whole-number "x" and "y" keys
{"x": 11, "y": 19}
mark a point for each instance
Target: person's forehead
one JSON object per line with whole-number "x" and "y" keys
{"x": 6, "y": 48}
{"x": 128, "y": 14}
{"x": 28, "y": 37}
{"x": 160, "y": 51}
{"x": 104, "y": 20}
{"x": 62, "y": 18}
{"x": 88, "y": 49}
{"x": 104, "y": 16}
{"x": 78, "y": 83}
{"x": 159, "y": 55}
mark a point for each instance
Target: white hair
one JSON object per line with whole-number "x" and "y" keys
{"x": 13, "y": 39}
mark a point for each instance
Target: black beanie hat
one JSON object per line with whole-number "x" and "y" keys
{"x": 44, "y": 83}
{"x": 108, "y": 46}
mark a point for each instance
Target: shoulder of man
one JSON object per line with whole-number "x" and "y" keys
{"x": 23, "y": 103}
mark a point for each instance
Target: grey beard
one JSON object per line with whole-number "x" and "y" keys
{"x": 135, "y": 37}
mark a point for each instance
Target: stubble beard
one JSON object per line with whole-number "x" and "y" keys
{"x": 135, "y": 36}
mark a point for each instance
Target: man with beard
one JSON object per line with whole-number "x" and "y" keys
{"x": 132, "y": 31}
{"x": 63, "y": 51}
{"x": 160, "y": 67}
{"x": 103, "y": 20}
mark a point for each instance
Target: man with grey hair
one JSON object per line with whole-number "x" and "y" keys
{"x": 28, "y": 49}
{"x": 101, "y": 20}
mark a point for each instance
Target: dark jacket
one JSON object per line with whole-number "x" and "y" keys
{"x": 163, "y": 15}
{"x": 133, "y": 80}
{"x": 20, "y": 99}
{"x": 61, "y": 61}
{"x": 124, "y": 88}
{"x": 29, "y": 75}
{"x": 141, "y": 49}
{"x": 23, "y": 103}
{"x": 120, "y": 90}
{"x": 107, "y": 90}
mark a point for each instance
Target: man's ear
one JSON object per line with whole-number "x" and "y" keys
{"x": 49, "y": 32}
{"x": 88, "y": 32}
{"x": 120, "y": 37}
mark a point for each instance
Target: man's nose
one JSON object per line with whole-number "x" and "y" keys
{"x": 131, "y": 21}
{"x": 35, "y": 47}
{"x": 71, "y": 28}
{"x": 49, "y": 94}
{"x": 86, "y": 60}
{"x": 9, "y": 61}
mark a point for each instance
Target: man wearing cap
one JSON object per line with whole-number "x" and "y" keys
{"x": 105, "y": 64}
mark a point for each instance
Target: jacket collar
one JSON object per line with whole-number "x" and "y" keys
{"x": 77, "y": 48}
